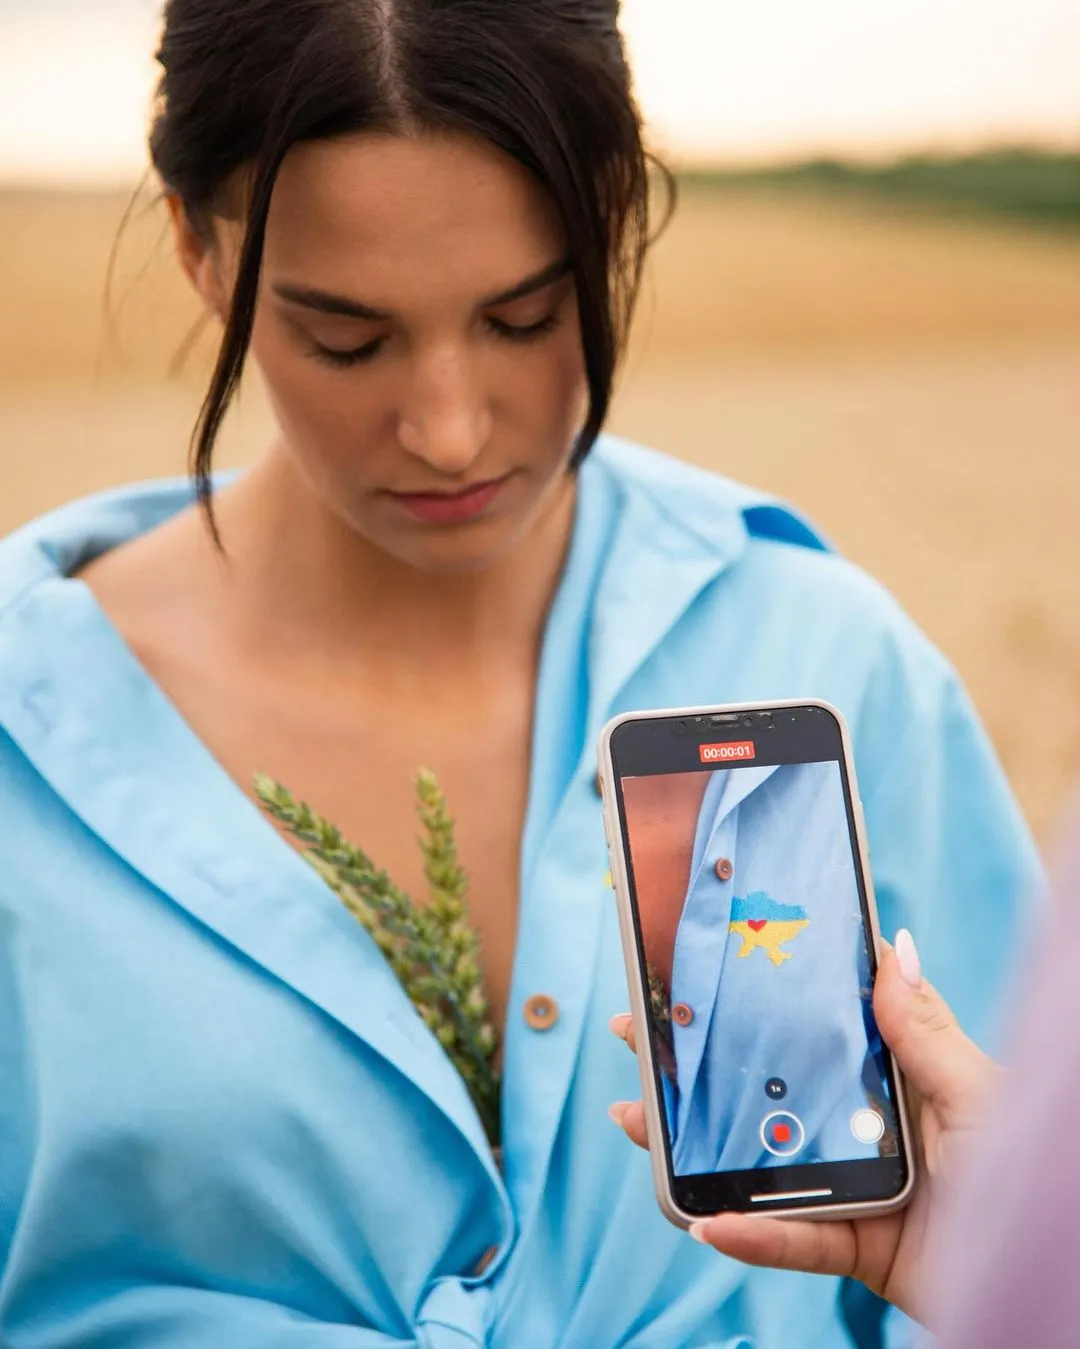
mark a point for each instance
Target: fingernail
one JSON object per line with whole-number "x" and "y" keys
{"x": 618, "y": 1110}
{"x": 620, "y": 1024}
{"x": 698, "y": 1230}
{"x": 907, "y": 957}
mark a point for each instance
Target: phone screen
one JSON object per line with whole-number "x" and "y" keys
{"x": 753, "y": 927}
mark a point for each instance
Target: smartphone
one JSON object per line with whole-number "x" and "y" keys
{"x": 741, "y": 872}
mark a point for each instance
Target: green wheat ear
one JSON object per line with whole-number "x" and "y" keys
{"x": 433, "y": 950}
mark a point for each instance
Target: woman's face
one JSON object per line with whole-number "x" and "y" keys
{"x": 418, "y": 333}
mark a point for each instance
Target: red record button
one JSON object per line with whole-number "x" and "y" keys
{"x": 782, "y": 1133}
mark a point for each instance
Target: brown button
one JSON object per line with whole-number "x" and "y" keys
{"x": 541, "y": 1012}
{"x": 724, "y": 869}
{"x": 681, "y": 1014}
{"x": 484, "y": 1263}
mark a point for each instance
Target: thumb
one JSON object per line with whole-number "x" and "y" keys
{"x": 917, "y": 1024}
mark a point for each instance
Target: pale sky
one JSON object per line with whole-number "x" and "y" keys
{"x": 764, "y": 78}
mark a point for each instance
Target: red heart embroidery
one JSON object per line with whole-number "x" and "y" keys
{"x": 756, "y": 924}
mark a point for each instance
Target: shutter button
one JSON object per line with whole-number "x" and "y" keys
{"x": 541, "y": 1012}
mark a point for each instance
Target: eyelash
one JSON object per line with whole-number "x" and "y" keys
{"x": 531, "y": 333}
{"x": 534, "y": 332}
{"x": 343, "y": 360}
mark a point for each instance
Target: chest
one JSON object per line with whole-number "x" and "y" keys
{"x": 354, "y": 758}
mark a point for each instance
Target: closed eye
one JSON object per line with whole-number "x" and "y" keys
{"x": 355, "y": 356}
{"x": 513, "y": 332}
{"x": 509, "y": 332}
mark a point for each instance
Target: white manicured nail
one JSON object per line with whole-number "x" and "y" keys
{"x": 907, "y": 957}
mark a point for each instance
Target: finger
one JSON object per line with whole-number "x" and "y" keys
{"x": 623, "y": 1026}
{"x": 917, "y": 1024}
{"x": 813, "y": 1248}
{"x": 630, "y": 1117}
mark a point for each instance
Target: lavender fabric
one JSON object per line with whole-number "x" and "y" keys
{"x": 1008, "y": 1258}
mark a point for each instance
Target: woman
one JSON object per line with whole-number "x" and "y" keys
{"x": 223, "y": 1122}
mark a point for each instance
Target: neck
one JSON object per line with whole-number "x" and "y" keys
{"x": 304, "y": 584}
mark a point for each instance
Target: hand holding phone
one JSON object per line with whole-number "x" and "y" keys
{"x": 889, "y": 1254}
{"x": 748, "y": 922}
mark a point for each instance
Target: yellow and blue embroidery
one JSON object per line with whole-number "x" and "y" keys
{"x": 765, "y": 924}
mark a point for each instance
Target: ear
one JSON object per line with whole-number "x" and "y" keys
{"x": 199, "y": 259}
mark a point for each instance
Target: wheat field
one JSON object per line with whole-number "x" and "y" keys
{"x": 911, "y": 381}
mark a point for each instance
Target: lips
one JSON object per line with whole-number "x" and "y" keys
{"x": 446, "y": 508}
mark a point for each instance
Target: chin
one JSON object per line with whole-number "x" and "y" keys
{"x": 464, "y": 551}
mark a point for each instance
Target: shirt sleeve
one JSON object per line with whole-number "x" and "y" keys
{"x": 951, "y": 855}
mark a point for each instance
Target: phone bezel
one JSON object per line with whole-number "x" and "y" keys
{"x": 663, "y": 1175}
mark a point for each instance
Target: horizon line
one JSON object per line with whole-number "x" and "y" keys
{"x": 118, "y": 177}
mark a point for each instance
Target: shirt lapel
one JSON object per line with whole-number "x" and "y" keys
{"x": 655, "y": 568}
{"x": 117, "y": 752}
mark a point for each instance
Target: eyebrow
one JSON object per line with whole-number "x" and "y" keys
{"x": 324, "y": 302}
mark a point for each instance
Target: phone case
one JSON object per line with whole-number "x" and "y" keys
{"x": 636, "y": 980}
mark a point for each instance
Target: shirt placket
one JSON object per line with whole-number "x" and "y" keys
{"x": 700, "y": 948}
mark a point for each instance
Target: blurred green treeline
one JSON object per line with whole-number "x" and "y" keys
{"x": 1025, "y": 184}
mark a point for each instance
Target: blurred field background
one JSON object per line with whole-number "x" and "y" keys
{"x": 893, "y": 345}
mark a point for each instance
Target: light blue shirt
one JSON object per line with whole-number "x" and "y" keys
{"x": 791, "y": 1010}
{"x": 221, "y": 1121}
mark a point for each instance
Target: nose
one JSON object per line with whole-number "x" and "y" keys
{"x": 446, "y": 420}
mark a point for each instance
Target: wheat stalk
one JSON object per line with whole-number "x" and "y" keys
{"x": 433, "y": 950}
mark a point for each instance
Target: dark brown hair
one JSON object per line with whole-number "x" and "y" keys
{"x": 546, "y": 81}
